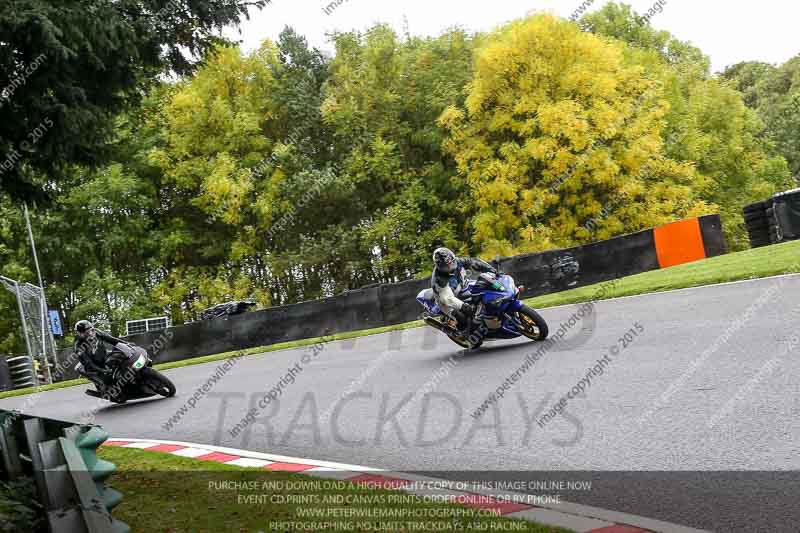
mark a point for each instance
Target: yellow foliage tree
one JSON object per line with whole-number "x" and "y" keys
{"x": 560, "y": 141}
{"x": 215, "y": 127}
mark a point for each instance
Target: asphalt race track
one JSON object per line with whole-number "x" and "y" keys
{"x": 706, "y": 383}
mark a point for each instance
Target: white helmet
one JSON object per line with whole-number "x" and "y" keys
{"x": 445, "y": 260}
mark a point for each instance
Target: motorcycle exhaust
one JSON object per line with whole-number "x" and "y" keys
{"x": 435, "y": 324}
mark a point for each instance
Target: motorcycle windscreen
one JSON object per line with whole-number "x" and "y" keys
{"x": 509, "y": 284}
{"x": 505, "y": 287}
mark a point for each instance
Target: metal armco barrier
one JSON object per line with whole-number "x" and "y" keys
{"x": 70, "y": 478}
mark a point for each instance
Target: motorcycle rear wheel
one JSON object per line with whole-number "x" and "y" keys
{"x": 157, "y": 381}
{"x": 533, "y": 325}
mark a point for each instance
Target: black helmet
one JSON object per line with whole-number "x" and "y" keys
{"x": 445, "y": 260}
{"x": 84, "y": 329}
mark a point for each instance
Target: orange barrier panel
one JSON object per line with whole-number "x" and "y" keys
{"x": 678, "y": 243}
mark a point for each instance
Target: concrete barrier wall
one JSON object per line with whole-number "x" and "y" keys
{"x": 560, "y": 270}
{"x": 713, "y": 237}
{"x": 384, "y": 305}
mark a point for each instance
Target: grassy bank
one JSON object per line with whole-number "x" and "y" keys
{"x": 167, "y": 493}
{"x": 750, "y": 264}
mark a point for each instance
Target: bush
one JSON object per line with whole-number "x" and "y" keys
{"x": 20, "y": 509}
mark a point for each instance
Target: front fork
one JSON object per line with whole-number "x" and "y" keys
{"x": 514, "y": 306}
{"x": 511, "y": 313}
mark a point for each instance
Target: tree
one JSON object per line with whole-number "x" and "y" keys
{"x": 66, "y": 68}
{"x": 560, "y": 135}
{"x": 621, "y": 22}
{"x": 774, "y": 93}
{"x": 748, "y": 78}
{"x": 97, "y": 238}
{"x": 13, "y": 251}
{"x": 708, "y": 124}
{"x": 218, "y": 128}
{"x": 384, "y": 97}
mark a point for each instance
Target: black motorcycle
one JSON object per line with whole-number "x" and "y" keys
{"x": 227, "y": 309}
{"x": 132, "y": 377}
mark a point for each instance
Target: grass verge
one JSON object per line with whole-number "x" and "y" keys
{"x": 167, "y": 493}
{"x": 750, "y": 264}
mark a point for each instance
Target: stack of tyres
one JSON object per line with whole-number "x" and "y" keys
{"x": 784, "y": 215}
{"x": 760, "y": 225}
{"x": 774, "y": 228}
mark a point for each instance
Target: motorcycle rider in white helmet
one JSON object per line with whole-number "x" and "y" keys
{"x": 450, "y": 279}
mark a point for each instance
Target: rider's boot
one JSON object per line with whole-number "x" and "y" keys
{"x": 99, "y": 382}
{"x": 98, "y": 391}
{"x": 464, "y": 318}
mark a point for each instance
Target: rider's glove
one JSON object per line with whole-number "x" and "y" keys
{"x": 468, "y": 309}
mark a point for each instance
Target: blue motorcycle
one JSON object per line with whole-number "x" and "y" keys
{"x": 499, "y": 313}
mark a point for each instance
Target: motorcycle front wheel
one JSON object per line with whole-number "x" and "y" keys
{"x": 533, "y": 325}
{"x": 158, "y": 382}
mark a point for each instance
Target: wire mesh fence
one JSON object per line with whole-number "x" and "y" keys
{"x": 35, "y": 325}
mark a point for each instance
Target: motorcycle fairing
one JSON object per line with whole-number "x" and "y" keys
{"x": 496, "y": 297}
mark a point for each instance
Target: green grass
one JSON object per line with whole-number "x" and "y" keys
{"x": 750, "y": 264}
{"x": 174, "y": 494}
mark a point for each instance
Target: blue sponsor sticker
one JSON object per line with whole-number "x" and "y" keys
{"x": 55, "y": 323}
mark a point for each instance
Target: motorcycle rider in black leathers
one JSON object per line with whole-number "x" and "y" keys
{"x": 90, "y": 347}
{"x": 450, "y": 279}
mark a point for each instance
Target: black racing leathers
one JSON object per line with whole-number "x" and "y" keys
{"x": 93, "y": 353}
